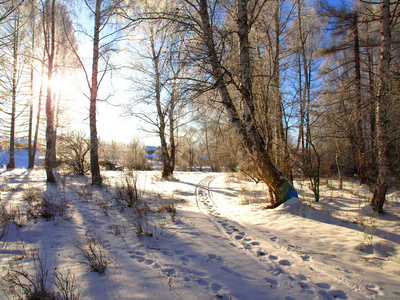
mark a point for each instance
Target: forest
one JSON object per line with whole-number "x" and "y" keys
{"x": 276, "y": 89}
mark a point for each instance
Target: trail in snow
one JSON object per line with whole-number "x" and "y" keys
{"x": 276, "y": 259}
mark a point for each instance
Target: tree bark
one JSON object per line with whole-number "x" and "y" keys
{"x": 362, "y": 172}
{"x": 49, "y": 164}
{"x": 16, "y": 37}
{"x": 94, "y": 156}
{"x": 379, "y": 196}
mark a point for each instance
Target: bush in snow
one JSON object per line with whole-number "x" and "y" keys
{"x": 92, "y": 251}
{"x": 17, "y": 283}
{"x": 127, "y": 190}
{"x": 4, "y": 221}
{"x": 48, "y": 205}
{"x": 73, "y": 149}
{"x": 135, "y": 156}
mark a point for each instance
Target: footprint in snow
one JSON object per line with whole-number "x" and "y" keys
{"x": 338, "y": 294}
{"x": 148, "y": 262}
{"x": 323, "y": 285}
{"x": 215, "y": 257}
{"x": 202, "y": 282}
{"x": 302, "y": 277}
{"x": 304, "y": 285}
{"x": 285, "y": 262}
{"x": 167, "y": 253}
{"x": 138, "y": 258}
{"x": 271, "y": 281}
{"x": 168, "y": 271}
{"x": 373, "y": 288}
{"x": 239, "y": 237}
{"x": 305, "y": 257}
{"x": 216, "y": 287}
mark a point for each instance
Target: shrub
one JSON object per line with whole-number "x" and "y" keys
{"x": 4, "y": 221}
{"x": 50, "y": 204}
{"x": 74, "y": 148}
{"x": 92, "y": 251}
{"x": 22, "y": 285}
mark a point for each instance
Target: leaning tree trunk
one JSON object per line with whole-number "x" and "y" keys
{"x": 245, "y": 128}
{"x": 382, "y": 138}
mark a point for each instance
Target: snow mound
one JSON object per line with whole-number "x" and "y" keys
{"x": 291, "y": 206}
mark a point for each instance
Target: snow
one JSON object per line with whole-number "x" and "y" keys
{"x": 20, "y": 156}
{"x": 221, "y": 244}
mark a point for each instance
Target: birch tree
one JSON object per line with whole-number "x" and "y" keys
{"x": 379, "y": 196}
{"x": 49, "y": 30}
{"x": 103, "y": 37}
{"x": 159, "y": 102}
{"x": 237, "y": 96}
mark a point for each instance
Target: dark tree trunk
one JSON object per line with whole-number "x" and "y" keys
{"x": 379, "y": 196}
{"x": 362, "y": 172}
{"x": 49, "y": 164}
{"x": 94, "y": 156}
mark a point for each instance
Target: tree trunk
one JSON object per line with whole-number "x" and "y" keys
{"x": 246, "y": 130}
{"x": 362, "y": 172}
{"x": 49, "y": 111}
{"x": 35, "y": 139}
{"x": 282, "y": 151}
{"x": 172, "y": 143}
{"x": 31, "y": 158}
{"x": 382, "y": 137}
{"x": 94, "y": 156}
{"x": 11, "y": 163}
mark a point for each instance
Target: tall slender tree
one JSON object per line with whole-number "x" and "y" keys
{"x": 49, "y": 29}
{"x": 379, "y": 196}
{"x": 103, "y": 12}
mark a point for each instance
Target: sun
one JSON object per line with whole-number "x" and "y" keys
{"x": 53, "y": 83}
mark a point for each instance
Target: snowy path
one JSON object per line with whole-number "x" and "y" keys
{"x": 281, "y": 263}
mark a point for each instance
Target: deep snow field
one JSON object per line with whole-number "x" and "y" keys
{"x": 220, "y": 243}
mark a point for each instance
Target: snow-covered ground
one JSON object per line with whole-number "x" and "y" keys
{"x": 220, "y": 244}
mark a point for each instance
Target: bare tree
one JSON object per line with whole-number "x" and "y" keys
{"x": 244, "y": 125}
{"x": 345, "y": 23}
{"x": 161, "y": 84}
{"x": 103, "y": 12}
